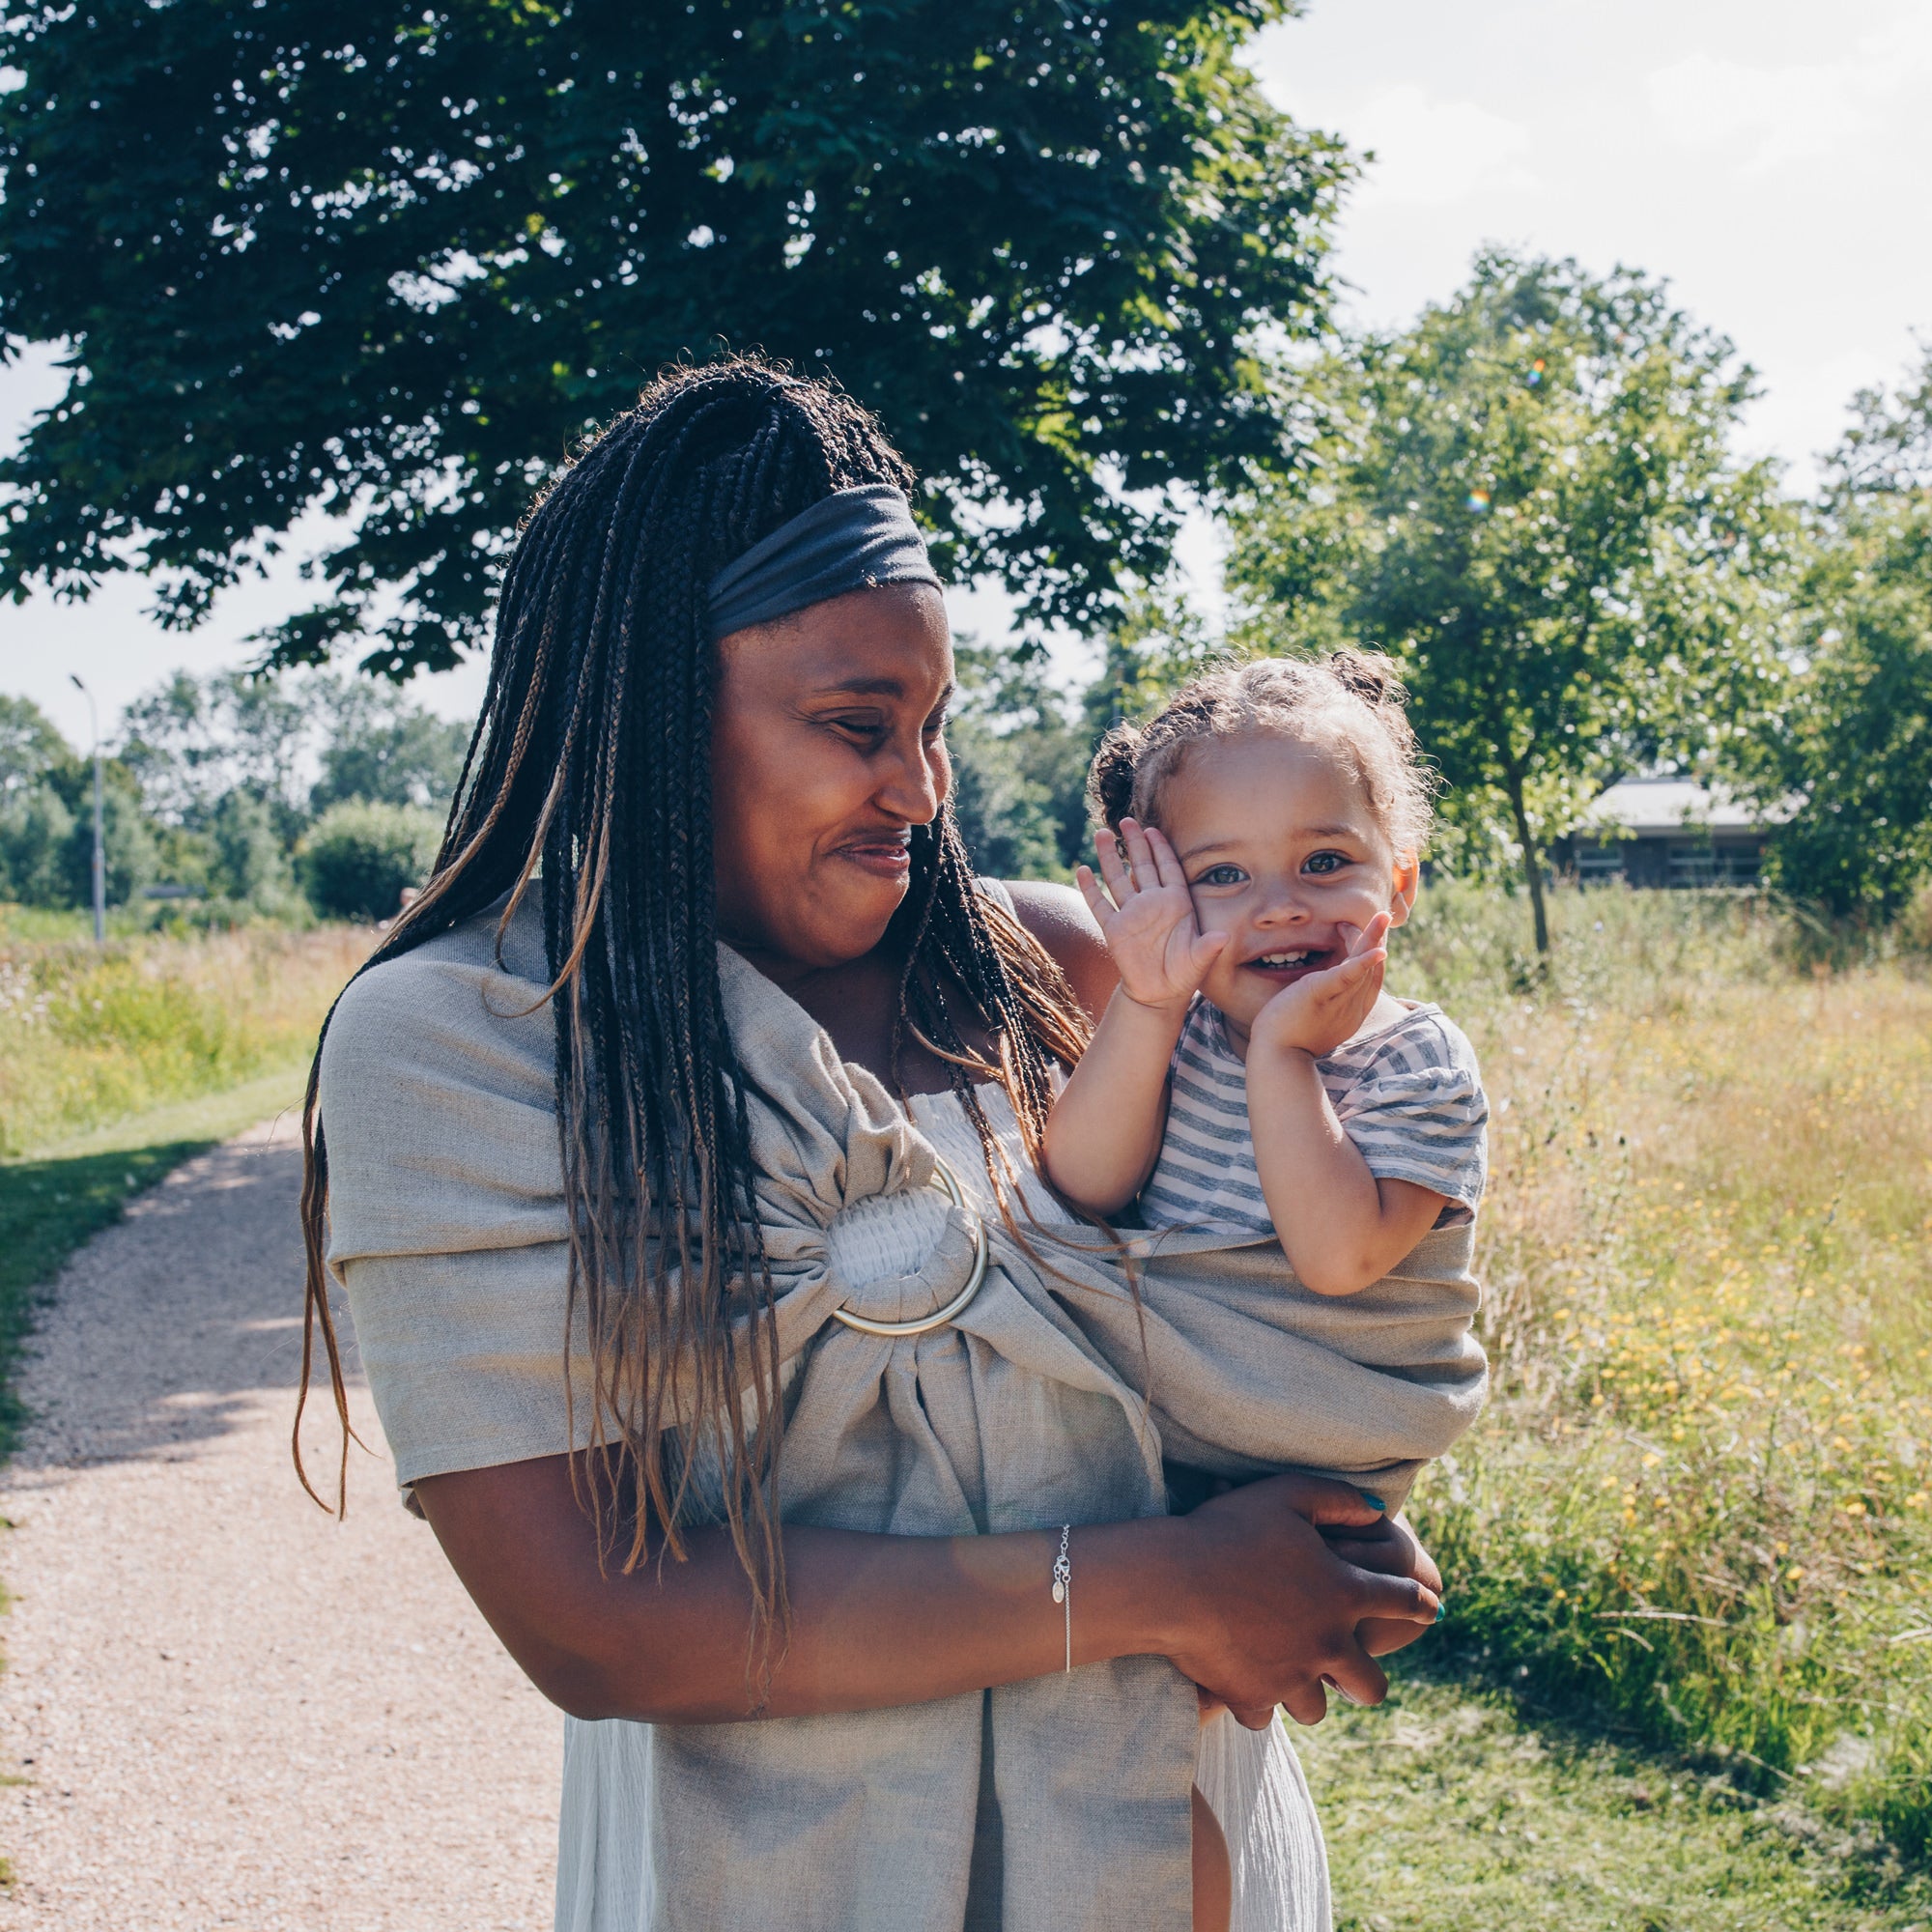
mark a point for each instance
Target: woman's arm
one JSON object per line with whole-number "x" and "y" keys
{"x": 1243, "y": 1595}
{"x": 1057, "y": 916}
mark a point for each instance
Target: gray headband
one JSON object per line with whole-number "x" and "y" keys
{"x": 849, "y": 541}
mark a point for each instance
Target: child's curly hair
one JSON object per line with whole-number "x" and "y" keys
{"x": 1353, "y": 699}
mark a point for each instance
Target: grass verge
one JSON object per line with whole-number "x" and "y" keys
{"x": 53, "y": 1202}
{"x": 1700, "y": 1503}
{"x": 1452, "y": 1810}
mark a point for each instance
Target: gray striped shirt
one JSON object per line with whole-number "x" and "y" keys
{"x": 1409, "y": 1096}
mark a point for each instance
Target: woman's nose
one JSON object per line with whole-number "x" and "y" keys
{"x": 915, "y": 784}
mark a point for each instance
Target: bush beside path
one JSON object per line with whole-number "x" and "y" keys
{"x": 222, "y": 1708}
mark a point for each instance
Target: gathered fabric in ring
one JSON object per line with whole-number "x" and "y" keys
{"x": 851, "y": 540}
{"x": 947, "y": 1183}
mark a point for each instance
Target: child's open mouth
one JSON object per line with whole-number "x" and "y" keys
{"x": 1292, "y": 962}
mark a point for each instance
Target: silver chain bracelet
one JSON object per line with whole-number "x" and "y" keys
{"x": 1063, "y": 1586}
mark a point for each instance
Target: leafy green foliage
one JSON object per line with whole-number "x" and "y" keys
{"x": 381, "y": 747}
{"x": 31, "y": 746}
{"x": 391, "y": 263}
{"x": 357, "y": 858}
{"x": 1528, "y": 500}
{"x": 1019, "y": 766}
{"x": 1854, "y": 746}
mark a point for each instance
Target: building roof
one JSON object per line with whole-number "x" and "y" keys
{"x": 1655, "y": 806}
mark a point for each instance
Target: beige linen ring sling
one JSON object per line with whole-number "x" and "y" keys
{"x": 1051, "y": 1806}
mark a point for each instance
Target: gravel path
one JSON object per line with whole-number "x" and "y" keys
{"x": 220, "y": 1706}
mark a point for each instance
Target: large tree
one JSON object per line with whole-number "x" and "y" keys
{"x": 1529, "y": 498}
{"x": 390, "y": 261}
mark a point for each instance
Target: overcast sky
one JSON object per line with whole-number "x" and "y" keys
{"x": 1772, "y": 159}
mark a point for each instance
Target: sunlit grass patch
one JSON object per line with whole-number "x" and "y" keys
{"x": 88, "y": 1036}
{"x": 1452, "y": 1810}
{"x": 1701, "y": 1501}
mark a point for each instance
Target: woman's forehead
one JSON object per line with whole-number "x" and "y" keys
{"x": 892, "y": 642}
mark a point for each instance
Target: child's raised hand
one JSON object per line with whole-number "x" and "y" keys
{"x": 1148, "y": 920}
{"x": 1318, "y": 1014}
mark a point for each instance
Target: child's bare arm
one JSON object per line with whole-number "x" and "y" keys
{"x": 1103, "y": 1135}
{"x": 1340, "y": 1226}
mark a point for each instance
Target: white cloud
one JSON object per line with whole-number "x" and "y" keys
{"x": 1769, "y": 115}
{"x": 1431, "y": 154}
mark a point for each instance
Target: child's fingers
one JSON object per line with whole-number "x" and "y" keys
{"x": 1368, "y": 935}
{"x": 1166, "y": 863}
{"x": 1140, "y": 855}
{"x": 1107, "y": 848}
{"x": 1097, "y": 902}
{"x": 1207, "y": 948}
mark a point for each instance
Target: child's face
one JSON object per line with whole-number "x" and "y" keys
{"x": 1283, "y": 853}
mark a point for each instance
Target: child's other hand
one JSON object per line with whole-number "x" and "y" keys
{"x": 1161, "y": 953}
{"x": 1318, "y": 1014}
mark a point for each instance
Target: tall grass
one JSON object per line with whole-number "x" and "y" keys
{"x": 88, "y": 1037}
{"x": 1701, "y": 1502}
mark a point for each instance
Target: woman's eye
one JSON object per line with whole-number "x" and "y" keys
{"x": 1221, "y": 875}
{"x": 1326, "y": 862}
{"x": 863, "y": 728}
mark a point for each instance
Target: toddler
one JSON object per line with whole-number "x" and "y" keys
{"x": 1260, "y": 839}
{"x": 1250, "y": 1075}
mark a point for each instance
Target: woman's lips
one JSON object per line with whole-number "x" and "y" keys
{"x": 884, "y": 858}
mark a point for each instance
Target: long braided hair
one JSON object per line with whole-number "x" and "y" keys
{"x": 589, "y": 782}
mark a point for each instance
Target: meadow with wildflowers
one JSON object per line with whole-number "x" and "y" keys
{"x": 1699, "y": 1507}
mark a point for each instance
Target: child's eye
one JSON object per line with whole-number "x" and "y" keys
{"x": 1324, "y": 862}
{"x": 1221, "y": 875}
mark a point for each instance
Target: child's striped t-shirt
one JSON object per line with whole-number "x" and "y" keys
{"x": 1410, "y": 1095}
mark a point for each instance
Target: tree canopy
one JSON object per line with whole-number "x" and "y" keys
{"x": 1529, "y": 499}
{"x": 392, "y": 262}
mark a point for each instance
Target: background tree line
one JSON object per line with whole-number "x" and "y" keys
{"x": 245, "y": 795}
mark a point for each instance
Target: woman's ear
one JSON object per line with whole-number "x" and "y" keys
{"x": 1405, "y": 883}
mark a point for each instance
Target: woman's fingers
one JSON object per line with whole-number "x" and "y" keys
{"x": 1328, "y": 1504}
{"x": 1401, "y": 1597}
{"x": 1358, "y": 1677}
{"x": 1307, "y": 1704}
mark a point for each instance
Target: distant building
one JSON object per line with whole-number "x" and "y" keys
{"x": 1671, "y": 832}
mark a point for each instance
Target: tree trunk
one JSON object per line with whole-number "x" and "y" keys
{"x": 1532, "y": 867}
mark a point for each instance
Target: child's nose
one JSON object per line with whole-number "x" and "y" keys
{"x": 1282, "y": 904}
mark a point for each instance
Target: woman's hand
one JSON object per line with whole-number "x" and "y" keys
{"x": 1272, "y": 1596}
{"x": 1390, "y": 1547}
{"x": 1160, "y": 952}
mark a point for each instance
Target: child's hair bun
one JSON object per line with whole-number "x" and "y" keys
{"x": 1367, "y": 676}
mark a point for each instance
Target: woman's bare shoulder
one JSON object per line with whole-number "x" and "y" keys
{"x": 1057, "y": 916}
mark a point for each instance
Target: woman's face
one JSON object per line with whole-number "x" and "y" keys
{"x": 826, "y": 751}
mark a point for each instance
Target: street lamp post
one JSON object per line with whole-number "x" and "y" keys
{"x": 100, "y": 845}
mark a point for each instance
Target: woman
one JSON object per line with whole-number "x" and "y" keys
{"x": 601, "y": 1269}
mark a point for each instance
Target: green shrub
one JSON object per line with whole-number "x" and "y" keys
{"x": 358, "y": 858}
